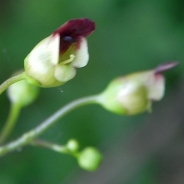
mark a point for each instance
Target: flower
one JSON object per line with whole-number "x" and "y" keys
{"x": 54, "y": 60}
{"x": 134, "y": 93}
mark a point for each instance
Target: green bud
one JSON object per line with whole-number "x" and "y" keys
{"x": 134, "y": 93}
{"x": 89, "y": 159}
{"x": 72, "y": 145}
{"x": 22, "y": 93}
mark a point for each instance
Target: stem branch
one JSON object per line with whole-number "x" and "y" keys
{"x": 31, "y": 135}
{"x": 49, "y": 145}
{"x": 11, "y": 81}
{"x": 11, "y": 121}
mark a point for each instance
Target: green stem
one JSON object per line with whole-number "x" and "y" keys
{"x": 11, "y": 121}
{"x": 31, "y": 135}
{"x": 11, "y": 81}
{"x": 51, "y": 146}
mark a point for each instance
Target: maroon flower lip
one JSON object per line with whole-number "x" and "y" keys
{"x": 72, "y": 31}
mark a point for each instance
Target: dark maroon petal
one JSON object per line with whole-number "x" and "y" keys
{"x": 71, "y": 32}
{"x": 75, "y": 28}
{"x": 165, "y": 66}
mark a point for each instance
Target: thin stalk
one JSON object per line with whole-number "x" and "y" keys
{"x": 11, "y": 81}
{"x": 10, "y": 123}
{"x": 31, "y": 135}
{"x": 55, "y": 147}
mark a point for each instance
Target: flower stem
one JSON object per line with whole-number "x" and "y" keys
{"x": 11, "y": 81}
{"x": 55, "y": 147}
{"x": 11, "y": 121}
{"x": 31, "y": 135}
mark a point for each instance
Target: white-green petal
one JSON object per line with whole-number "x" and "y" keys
{"x": 64, "y": 73}
{"x": 81, "y": 55}
{"x": 156, "y": 87}
{"x": 47, "y": 51}
{"x": 154, "y": 83}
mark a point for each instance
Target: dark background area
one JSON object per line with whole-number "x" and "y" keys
{"x": 131, "y": 35}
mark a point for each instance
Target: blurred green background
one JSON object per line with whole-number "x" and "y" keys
{"x": 131, "y": 35}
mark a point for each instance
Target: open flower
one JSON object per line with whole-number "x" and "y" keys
{"x": 54, "y": 60}
{"x": 134, "y": 93}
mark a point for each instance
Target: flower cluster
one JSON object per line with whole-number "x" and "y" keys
{"x": 53, "y": 62}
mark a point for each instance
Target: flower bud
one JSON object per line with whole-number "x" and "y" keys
{"x": 22, "y": 93}
{"x": 72, "y": 145}
{"x": 134, "y": 93}
{"x": 54, "y": 60}
{"x": 89, "y": 159}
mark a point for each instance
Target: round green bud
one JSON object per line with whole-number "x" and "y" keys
{"x": 89, "y": 159}
{"x": 22, "y": 93}
{"x": 72, "y": 145}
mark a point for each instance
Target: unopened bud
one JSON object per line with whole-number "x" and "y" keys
{"x": 22, "y": 93}
{"x": 89, "y": 159}
{"x": 72, "y": 145}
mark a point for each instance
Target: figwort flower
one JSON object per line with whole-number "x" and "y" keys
{"x": 134, "y": 93}
{"x": 55, "y": 59}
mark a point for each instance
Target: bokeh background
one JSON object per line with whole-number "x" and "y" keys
{"x": 131, "y": 35}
